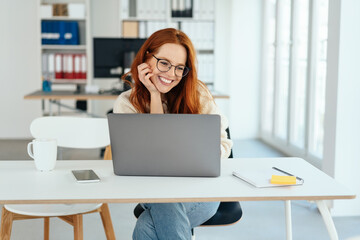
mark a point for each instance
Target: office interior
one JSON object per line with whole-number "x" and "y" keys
{"x": 242, "y": 68}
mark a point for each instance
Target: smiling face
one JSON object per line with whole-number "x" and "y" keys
{"x": 176, "y": 55}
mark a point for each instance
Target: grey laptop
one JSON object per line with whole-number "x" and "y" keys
{"x": 184, "y": 145}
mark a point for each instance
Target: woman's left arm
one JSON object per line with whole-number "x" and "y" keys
{"x": 209, "y": 107}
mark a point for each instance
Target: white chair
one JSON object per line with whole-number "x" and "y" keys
{"x": 71, "y": 132}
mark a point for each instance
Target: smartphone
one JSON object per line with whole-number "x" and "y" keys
{"x": 84, "y": 176}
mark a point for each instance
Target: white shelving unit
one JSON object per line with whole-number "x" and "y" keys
{"x": 64, "y": 47}
{"x": 151, "y": 16}
{"x": 78, "y": 11}
{"x": 85, "y": 40}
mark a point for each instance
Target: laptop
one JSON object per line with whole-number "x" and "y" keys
{"x": 179, "y": 145}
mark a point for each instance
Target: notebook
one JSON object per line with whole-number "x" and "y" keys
{"x": 181, "y": 145}
{"x": 261, "y": 177}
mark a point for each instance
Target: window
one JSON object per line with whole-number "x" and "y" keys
{"x": 294, "y": 74}
{"x": 317, "y": 135}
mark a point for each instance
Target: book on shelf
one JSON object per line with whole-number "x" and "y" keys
{"x": 60, "y": 9}
{"x": 77, "y": 66}
{"x": 74, "y": 10}
{"x": 68, "y": 66}
{"x": 201, "y": 34}
{"x": 181, "y": 8}
{"x": 145, "y": 9}
{"x": 130, "y": 29}
{"x": 59, "y": 32}
{"x": 64, "y": 66}
{"x": 48, "y": 66}
{"x": 204, "y": 9}
{"x": 206, "y": 67}
{"x": 153, "y": 26}
{"x": 58, "y": 66}
{"x": 83, "y": 69}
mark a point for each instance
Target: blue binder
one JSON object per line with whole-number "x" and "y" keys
{"x": 56, "y": 32}
{"x": 43, "y": 32}
{"x": 74, "y": 29}
{"x": 60, "y": 32}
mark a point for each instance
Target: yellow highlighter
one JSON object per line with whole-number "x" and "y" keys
{"x": 284, "y": 180}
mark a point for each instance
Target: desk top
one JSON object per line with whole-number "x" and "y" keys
{"x": 59, "y": 95}
{"x": 20, "y": 182}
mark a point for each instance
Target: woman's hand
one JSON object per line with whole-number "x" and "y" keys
{"x": 145, "y": 73}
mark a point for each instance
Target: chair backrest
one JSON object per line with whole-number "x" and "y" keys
{"x": 229, "y": 137}
{"x": 72, "y": 132}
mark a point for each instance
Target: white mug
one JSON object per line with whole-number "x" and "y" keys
{"x": 44, "y": 153}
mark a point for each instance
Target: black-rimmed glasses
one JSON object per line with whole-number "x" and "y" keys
{"x": 164, "y": 65}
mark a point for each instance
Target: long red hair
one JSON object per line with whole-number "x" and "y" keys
{"x": 184, "y": 97}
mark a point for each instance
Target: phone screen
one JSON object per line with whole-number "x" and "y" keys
{"x": 85, "y": 176}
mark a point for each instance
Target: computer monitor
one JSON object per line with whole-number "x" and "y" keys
{"x": 113, "y": 56}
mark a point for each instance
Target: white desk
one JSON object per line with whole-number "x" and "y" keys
{"x": 56, "y": 96}
{"x": 20, "y": 182}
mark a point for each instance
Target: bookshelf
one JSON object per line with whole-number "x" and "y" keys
{"x": 140, "y": 18}
{"x": 65, "y": 60}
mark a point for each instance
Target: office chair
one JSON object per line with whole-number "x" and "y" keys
{"x": 227, "y": 213}
{"x": 70, "y": 132}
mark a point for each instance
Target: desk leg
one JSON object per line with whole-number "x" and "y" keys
{"x": 288, "y": 220}
{"x": 325, "y": 213}
{"x": 50, "y": 110}
{"x": 43, "y": 106}
{"x": 59, "y": 108}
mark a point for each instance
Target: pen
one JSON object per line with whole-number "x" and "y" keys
{"x": 289, "y": 174}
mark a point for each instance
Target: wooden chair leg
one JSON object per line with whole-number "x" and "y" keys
{"x": 107, "y": 153}
{"x": 78, "y": 227}
{"x": 6, "y": 224}
{"x": 46, "y": 228}
{"x": 107, "y": 223}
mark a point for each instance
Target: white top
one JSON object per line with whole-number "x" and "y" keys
{"x": 20, "y": 182}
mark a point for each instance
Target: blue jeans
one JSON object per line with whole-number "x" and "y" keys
{"x": 172, "y": 220}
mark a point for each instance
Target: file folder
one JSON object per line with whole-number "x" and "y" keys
{"x": 58, "y": 66}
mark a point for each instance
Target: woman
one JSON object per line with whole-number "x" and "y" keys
{"x": 165, "y": 81}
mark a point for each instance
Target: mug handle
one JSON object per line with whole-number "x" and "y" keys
{"x": 31, "y": 154}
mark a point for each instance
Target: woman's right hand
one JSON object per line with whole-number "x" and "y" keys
{"x": 145, "y": 73}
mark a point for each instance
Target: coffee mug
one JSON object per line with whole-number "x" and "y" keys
{"x": 44, "y": 153}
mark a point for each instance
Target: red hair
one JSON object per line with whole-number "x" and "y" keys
{"x": 184, "y": 97}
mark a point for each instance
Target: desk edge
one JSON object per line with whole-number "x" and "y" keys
{"x": 162, "y": 200}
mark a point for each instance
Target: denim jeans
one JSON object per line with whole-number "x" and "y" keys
{"x": 172, "y": 220}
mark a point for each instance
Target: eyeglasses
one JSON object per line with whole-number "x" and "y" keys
{"x": 165, "y": 66}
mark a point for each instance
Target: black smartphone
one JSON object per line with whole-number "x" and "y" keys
{"x": 84, "y": 176}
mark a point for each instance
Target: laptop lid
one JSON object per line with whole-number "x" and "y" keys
{"x": 165, "y": 144}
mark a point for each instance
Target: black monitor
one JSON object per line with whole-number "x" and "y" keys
{"x": 113, "y": 56}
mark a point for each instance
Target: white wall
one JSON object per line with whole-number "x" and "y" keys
{"x": 222, "y": 52}
{"x": 244, "y": 68}
{"x": 105, "y": 22}
{"x": 19, "y": 67}
{"x": 342, "y": 129}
